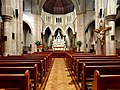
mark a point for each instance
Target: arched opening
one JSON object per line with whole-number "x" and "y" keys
{"x": 27, "y": 43}
{"x": 48, "y": 41}
{"x": 118, "y": 9}
{"x": 58, "y": 31}
{"x": 90, "y": 37}
{"x": 117, "y": 33}
{"x": 117, "y": 29}
{"x": 70, "y": 38}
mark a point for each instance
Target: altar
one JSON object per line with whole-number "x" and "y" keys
{"x": 58, "y": 43}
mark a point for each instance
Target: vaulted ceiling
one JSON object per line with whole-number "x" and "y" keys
{"x": 58, "y": 6}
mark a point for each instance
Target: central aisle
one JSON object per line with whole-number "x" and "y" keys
{"x": 59, "y": 78}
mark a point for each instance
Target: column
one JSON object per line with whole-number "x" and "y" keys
{"x": 80, "y": 31}
{"x": 107, "y": 44}
{"x": 7, "y": 34}
{"x": 74, "y": 37}
{"x": 35, "y": 32}
{"x": 111, "y": 38}
{"x": 19, "y": 27}
{"x": 52, "y": 38}
{"x": 98, "y": 6}
{"x": 43, "y": 41}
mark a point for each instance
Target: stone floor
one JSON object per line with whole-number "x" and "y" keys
{"x": 60, "y": 78}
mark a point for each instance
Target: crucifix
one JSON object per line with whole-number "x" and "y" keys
{"x": 101, "y": 35}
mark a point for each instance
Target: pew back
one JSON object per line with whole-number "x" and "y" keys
{"x": 15, "y": 81}
{"x": 105, "y": 82}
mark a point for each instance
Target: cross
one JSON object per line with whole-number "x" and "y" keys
{"x": 100, "y": 35}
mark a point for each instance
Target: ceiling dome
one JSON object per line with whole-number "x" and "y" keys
{"x": 58, "y": 6}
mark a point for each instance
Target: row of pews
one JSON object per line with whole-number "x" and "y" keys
{"x": 24, "y": 72}
{"x": 95, "y": 72}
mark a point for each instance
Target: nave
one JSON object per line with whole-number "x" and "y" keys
{"x": 71, "y": 71}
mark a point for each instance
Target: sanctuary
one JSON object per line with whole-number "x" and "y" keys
{"x": 58, "y": 43}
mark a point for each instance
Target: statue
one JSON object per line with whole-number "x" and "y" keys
{"x": 58, "y": 38}
{"x": 101, "y": 34}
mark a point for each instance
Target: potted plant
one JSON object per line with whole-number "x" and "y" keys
{"x": 38, "y": 43}
{"x": 79, "y": 43}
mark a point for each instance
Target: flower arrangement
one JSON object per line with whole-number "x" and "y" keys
{"x": 38, "y": 43}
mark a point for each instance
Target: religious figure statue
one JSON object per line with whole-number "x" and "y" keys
{"x": 101, "y": 34}
{"x": 58, "y": 38}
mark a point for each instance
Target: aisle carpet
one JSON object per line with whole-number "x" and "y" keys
{"x": 60, "y": 78}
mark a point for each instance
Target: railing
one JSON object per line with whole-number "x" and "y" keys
{"x": 59, "y": 49}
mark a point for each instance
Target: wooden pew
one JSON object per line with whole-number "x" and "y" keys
{"x": 28, "y": 60}
{"x": 71, "y": 58}
{"x": 93, "y": 57}
{"x": 18, "y": 64}
{"x": 20, "y": 70}
{"x": 88, "y": 72}
{"x": 105, "y": 82}
{"x": 46, "y": 57}
{"x": 15, "y": 81}
{"x": 78, "y": 67}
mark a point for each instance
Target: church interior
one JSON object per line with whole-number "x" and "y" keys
{"x": 59, "y": 44}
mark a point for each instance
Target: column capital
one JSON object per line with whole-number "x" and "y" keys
{"x": 111, "y": 17}
{"x": 6, "y": 18}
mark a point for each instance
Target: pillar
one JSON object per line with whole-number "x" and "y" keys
{"x": 7, "y": 34}
{"x": 43, "y": 42}
{"x": 80, "y": 31}
{"x": 74, "y": 39}
{"x": 98, "y": 6}
{"x": 111, "y": 44}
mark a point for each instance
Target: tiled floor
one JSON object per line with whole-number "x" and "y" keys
{"x": 59, "y": 78}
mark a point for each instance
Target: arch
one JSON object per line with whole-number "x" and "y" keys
{"x": 28, "y": 25}
{"x": 27, "y": 35}
{"x": 69, "y": 27}
{"x": 47, "y": 34}
{"x": 25, "y": 19}
{"x": 46, "y": 28}
{"x": 91, "y": 21}
{"x": 59, "y": 28}
{"x": 90, "y": 37}
{"x": 118, "y": 6}
{"x": 117, "y": 33}
{"x": 69, "y": 38}
{"x": 47, "y": 38}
